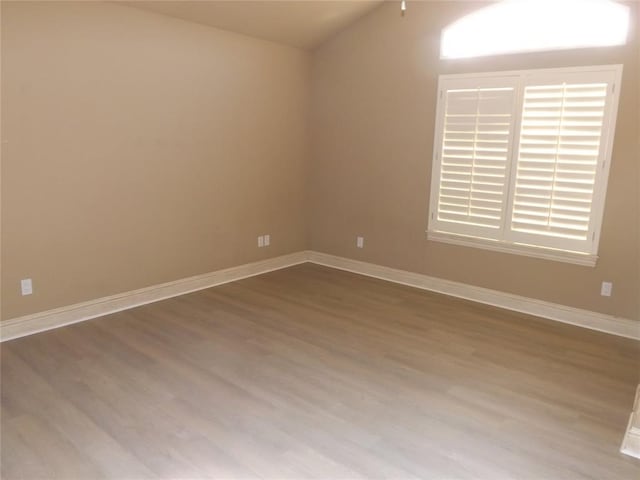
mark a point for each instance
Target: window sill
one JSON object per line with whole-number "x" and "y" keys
{"x": 588, "y": 260}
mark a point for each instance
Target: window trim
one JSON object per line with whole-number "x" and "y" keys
{"x": 599, "y": 196}
{"x": 521, "y": 249}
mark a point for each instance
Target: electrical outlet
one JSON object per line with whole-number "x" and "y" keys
{"x": 267, "y": 240}
{"x": 606, "y": 289}
{"x": 26, "y": 286}
{"x": 260, "y": 241}
{"x": 360, "y": 242}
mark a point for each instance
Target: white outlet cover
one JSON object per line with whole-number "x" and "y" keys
{"x": 606, "y": 289}
{"x": 267, "y": 240}
{"x": 360, "y": 242}
{"x": 260, "y": 241}
{"x": 26, "y": 286}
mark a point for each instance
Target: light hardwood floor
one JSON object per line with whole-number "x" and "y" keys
{"x": 311, "y": 372}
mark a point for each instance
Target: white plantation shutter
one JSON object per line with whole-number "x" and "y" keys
{"x": 475, "y": 150}
{"x": 548, "y": 190}
{"x": 560, "y": 159}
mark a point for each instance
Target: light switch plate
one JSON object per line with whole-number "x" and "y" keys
{"x": 26, "y": 286}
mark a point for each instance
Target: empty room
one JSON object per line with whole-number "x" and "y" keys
{"x": 320, "y": 239}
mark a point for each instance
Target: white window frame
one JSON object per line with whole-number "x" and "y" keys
{"x": 509, "y": 241}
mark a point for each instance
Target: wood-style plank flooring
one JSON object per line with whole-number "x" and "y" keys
{"x": 311, "y": 372}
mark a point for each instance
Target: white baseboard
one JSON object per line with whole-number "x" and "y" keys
{"x": 47, "y": 320}
{"x": 584, "y": 318}
{"x": 38, "y": 322}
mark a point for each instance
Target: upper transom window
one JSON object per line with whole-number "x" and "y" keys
{"x": 513, "y": 26}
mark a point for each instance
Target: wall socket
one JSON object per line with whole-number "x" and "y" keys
{"x": 264, "y": 241}
{"x": 606, "y": 289}
{"x": 360, "y": 242}
{"x": 26, "y": 286}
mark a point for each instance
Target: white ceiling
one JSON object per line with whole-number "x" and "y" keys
{"x": 299, "y": 23}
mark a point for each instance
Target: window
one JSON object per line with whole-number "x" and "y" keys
{"x": 515, "y": 26}
{"x": 521, "y": 160}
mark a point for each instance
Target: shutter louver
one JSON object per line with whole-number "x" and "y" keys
{"x": 558, "y": 158}
{"x": 474, "y": 157}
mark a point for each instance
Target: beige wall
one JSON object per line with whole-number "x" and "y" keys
{"x": 139, "y": 149}
{"x": 374, "y": 99}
